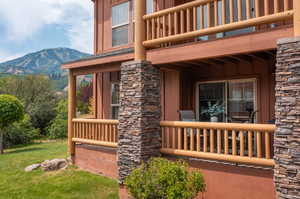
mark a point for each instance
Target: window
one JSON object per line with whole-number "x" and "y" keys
{"x": 115, "y": 100}
{"x": 120, "y": 24}
{"x": 149, "y": 6}
{"x": 233, "y": 101}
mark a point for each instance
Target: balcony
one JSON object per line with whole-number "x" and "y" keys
{"x": 210, "y": 19}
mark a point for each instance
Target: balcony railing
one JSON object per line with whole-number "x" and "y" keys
{"x": 95, "y": 131}
{"x": 239, "y": 143}
{"x": 206, "y": 17}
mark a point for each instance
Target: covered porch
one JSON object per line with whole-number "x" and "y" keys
{"x": 218, "y": 109}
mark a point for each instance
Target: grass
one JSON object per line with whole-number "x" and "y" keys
{"x": 67, "y": 184}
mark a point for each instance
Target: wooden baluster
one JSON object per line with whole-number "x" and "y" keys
{"x": 233, "y": 142}
{"x": 194, "y": 18}
{"x": 216, "y": 12}
{"x": 276, "y": 6}
{"x": 181, "y": 21}
{"x": 185, "y": 139}
{"x": 219, "y": 140}
{"x": 286, "y": 5}
{"x": 212, "y": 140}
{"x": 74, "y": 129}
{"x": 115, "y": 133}
{"x": 164, "y": 26}
{"x": 188, "y": 16}
{"x": 169, "y": 24}
{"x": 87, "y": 130}
{"x": 148, "y": 29}
{"x": 106, "y": 132}
{"x": 242, "y": 144}
{"x": 152, "y": 28}
{"x": 257, "y": 7}
{"x": 92, "y": 131}
{"x": 258, "y": 139}
{"x": 176, "y": 23}
{"x": 109, "y": 133}
{"x": 267, "y": 145}
{"x": 97, "y": 132}
{"x": 226, "y": 142}
{"x": 192, "y": 139}
{"x": 168, "y": 137}
{"x": 223, "y": 12}
{"x": 267, "y": 7}
{"x": 208, "y": 15}
{"x": 179, "y": 138}
{"x": 201, "y": 17}
{"x": 240, "y": 10}
{"x": 250, "y": 147}
{"x": 158, "y": 27}
{"x": 205, "y": 140}
{"x": 174, "y": 138}
{"x": 231, "y": 9}
{"x": 248, "y": 9}
{"x": 198, "y": 139}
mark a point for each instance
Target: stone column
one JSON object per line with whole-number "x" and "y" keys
{"x": 287, "y": 135}
{"x": 139, "y": 115}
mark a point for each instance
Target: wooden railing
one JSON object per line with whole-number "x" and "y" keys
{"x": 205, "y": 17}
{"x": 239, "y": 143}
{"x": 95, "y": 131}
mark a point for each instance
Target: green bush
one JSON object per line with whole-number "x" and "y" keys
{"x": 21, "y": 132}
{"x": 11, "y": 110}
{"x": 163, "y": 179}
{"x": 59, "y": 125}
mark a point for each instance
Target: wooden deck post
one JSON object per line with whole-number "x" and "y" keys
{"x": 297, "y": 18}
{"x": 71, "y": 111}
{"x": 139, "y": 30}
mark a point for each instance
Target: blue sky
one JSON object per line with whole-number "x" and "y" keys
{"x": 31, "y": 25}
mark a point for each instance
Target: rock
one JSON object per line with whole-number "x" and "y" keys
{"x": 69, "y": 160}
{"x": 32, "y": 167}
{"x": 55, "y": 164}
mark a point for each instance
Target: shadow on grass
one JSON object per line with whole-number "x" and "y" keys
{"x": 24, "y": 150}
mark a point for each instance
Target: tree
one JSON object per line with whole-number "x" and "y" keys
{"x": 37, "y": 95}
{"x": 11, "y": 110}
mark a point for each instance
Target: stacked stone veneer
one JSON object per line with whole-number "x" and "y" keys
{"x": 287, "y": 135}
{"x": 139, "y": 115}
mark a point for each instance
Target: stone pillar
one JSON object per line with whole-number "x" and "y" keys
{"x": 139, "y": 115}
{"x": 287, "y": 135}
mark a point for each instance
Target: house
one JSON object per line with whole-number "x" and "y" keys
{"x": 203, "y": 80}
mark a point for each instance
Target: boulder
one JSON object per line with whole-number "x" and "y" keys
{"x": 32, "y": 167}
{"x": 55, "y": 164}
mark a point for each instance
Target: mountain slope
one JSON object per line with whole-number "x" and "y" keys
{"x": 46, "y": 61}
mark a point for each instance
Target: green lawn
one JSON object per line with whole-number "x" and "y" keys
{"x": 68, "y": 184}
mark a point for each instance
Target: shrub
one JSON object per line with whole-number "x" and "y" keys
{"x": 59, "y": 125}
{"x": 21, "y": 132}
{"x": 163, "y": 179}
{"x": 11, "y": 110}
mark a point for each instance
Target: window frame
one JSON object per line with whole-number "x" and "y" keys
{"x": 226, "y": 82}
{"x": 122, "y": 24}
{"x": 111, "y": 97}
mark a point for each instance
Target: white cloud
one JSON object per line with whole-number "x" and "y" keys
{"x": 22, "y": 19}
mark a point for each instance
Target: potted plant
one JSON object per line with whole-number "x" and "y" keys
{"x": 213, "y": 110}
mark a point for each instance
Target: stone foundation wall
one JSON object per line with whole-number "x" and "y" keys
{"x": 287, "y": 135}
{"x": 139, "y": 115}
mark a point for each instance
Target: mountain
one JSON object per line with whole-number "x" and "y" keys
{"x": 45, "y": 62}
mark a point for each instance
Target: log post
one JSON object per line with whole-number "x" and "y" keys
{"x": 71, "y": 111}
{"x": 139, "y": 30}
{"x": 297, "y": 18}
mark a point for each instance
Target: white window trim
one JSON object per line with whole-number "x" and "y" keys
{"x": 254, "y": 80}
